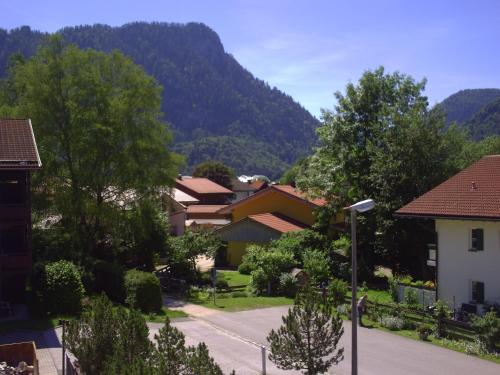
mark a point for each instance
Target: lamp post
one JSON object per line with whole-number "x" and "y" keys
{"x": 362, "y": 206}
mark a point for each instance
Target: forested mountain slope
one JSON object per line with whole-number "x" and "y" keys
{"x": 216, "y": 108}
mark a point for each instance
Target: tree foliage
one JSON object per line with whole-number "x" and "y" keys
{"x": 96, "y": 119}
{"x": 308, "y": 339}
{"x": 381, "y": 142}
{"x": 216, "y": 172}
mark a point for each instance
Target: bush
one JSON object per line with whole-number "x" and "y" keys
{"x": 239, "y": 294}
{"x": 62, "y": 288}
{"x": 487, "y": 329}
{"x": 220, "y": 283}
{"x": 337, "y": 290}
{"x": 288, "y": 285}
{"x": 259, "y": 281}
{"x": 392, "y": 322}
{"x": 316, "y": 265}
{"x": 143, "y": 291}
{"x": 424, "y": 331}
{"x": 245, "y": 268}
{"x": 109, "y": 278}
{"x": 344, "y": 309}
{"x": 411, "y": 298}
{"x": 441, "y": 312}
{"x": 393, "y": 288}
{"x": 206, "y": 278}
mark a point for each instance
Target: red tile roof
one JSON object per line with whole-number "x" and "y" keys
{"x": 204, "y": 208}
{"x": 278, "y": 222}
{"x": 472, "y": 193}
{"x": 17, "y": 145}
{"x": 202, "y": 186}
{"x": 238, "y": 185}
{"x": 293, "y": 191}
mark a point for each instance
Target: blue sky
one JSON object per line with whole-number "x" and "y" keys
{"x": 310, "y": 49}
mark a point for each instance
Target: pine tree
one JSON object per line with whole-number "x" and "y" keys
{"x": 309, "y": 336}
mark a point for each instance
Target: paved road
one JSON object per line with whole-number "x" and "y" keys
{"x": 233, "y": 340}
{"x": 379, "y": 352}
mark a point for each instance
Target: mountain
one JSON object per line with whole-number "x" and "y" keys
{"x": 216, "y": 108}
{"x": 464, "y": 104}
{"x": 485, "y": 122}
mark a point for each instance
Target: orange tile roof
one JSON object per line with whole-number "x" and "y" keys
{"x": 202, "y": 186}
{"x": 17, "y": 145}
{"x": 204, "y": 208}
{"x": 278, "y": 222}
{"x": 293, "y": 191}
{"x": 472, "y": 193}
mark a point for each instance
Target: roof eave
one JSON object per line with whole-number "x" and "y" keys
{"x": 446, "y": 217}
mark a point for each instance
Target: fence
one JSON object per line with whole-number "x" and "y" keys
{"x": 426, "y": 297}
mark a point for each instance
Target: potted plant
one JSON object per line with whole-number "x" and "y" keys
{"x": 424, "y": 331}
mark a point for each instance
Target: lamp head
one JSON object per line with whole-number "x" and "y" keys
{"x": 363, "y": 206}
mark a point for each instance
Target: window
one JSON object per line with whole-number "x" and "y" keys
{"x": 477, "y": 239}
{"x": 13, "y": 240}
{"x": 477, "y": 291}
{"x": 12, "y": 189}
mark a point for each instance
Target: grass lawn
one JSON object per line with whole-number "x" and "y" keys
{"x": 380, "y": 296}
{"x": 242, "y": 303}
{"x": 234, "y": 278}
{"x": 160, "y": 317}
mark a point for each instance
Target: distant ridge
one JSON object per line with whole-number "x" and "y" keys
{"x": 217, "y": 109}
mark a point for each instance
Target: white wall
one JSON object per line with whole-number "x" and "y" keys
{"x": 457, "y": 266}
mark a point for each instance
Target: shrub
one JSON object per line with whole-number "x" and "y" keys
{"x": 411, "y": 298}
{"x": 245, "y": 268}
{"x": 392, "y": 322}
{"x": 487, "y": 329}
{"x": 429, "y": 285}
{"x": 206, "y": 278}
{"x": 337, "y": 290}
{"x": 110, "y": 279}
{"x": 316, "y": 265}
{"x": 220, "y": 283}
{"x": 441, "y": 312}
{"x": 424, "y": 331}
{"x": 259, "y": 281}
{"x": 288, "y": 284}
{"x": 143, "y": 291}
{"x": 344, "y": 309}
{"x": 62, "y": 288}
{"x": 393, "y": 288}
{"x": 239, "y": 294}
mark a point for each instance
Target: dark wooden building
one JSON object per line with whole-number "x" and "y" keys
{"x": 18, "y": 158}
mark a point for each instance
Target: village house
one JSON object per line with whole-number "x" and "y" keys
{"x": 195, "y": 203}
{"x": 265, "y": 216}
{"x": 466, "y": 212}
{"x": 18, "y": 158}
{"x": 244, "y": 189}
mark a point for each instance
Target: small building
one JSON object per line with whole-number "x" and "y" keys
{"x": 18, "y": 158}
{"x": 204, "y": 190}
{"x": 243, "y": 189}
{"x": 466, "y": 213}
{"x": 194, "y": 203}
{"x": 265, "y": 216}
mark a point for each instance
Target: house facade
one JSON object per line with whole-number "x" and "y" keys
{"x": 18, "y": 158}
{"x": 265, "y": 216}
{"x": 466, "y": 212}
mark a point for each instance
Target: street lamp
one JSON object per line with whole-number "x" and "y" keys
{"x": 362, "y": 206}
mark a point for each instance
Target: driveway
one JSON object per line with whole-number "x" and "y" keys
{"x": 378, "y": 352}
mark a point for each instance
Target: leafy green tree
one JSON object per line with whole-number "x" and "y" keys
{"x": 186, "y": 248}
{"x": 308, "y": 339}
{"x": 96, "y": 118}
{"x": 381, "y": 142}
{"x": 317, "y": 266}
{"x": 216, "y": 172}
